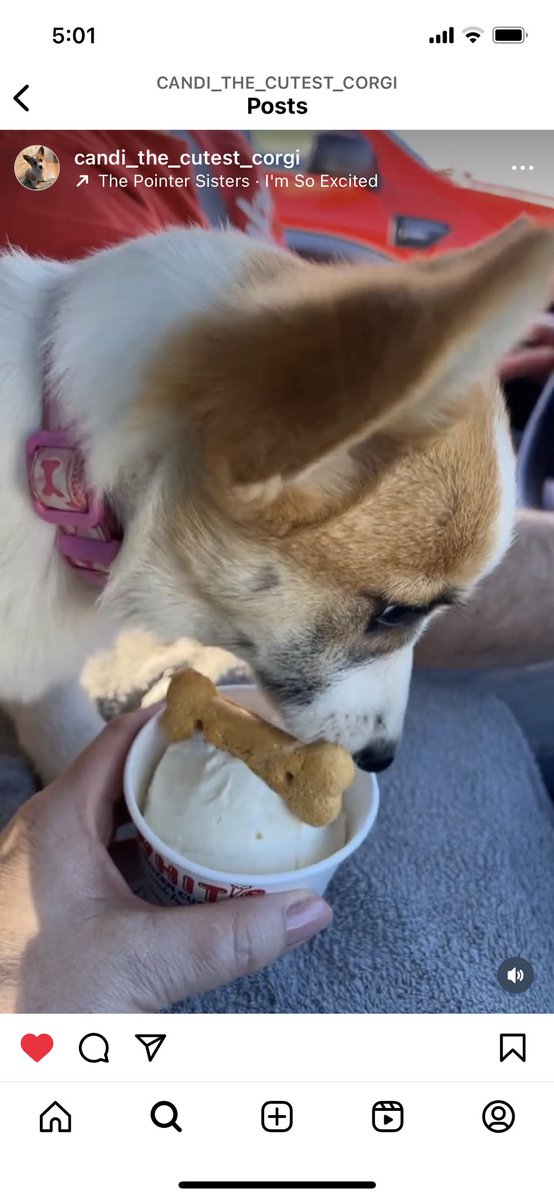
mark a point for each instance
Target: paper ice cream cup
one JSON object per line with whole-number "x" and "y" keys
{"x": 171, "y": 878}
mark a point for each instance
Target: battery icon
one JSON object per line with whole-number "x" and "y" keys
{"x": 512, "y": 34}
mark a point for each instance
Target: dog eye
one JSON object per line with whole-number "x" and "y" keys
{"x": 396, "y": 614}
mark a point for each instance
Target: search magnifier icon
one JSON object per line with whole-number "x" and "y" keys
{"x": 169, "y": 1117}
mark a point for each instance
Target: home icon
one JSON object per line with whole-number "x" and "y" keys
{"x": 55, "y": 1119}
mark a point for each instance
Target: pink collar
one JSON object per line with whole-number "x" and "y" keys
{"x": 89, "y": 541}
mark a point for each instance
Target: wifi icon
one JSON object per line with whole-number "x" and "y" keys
{"x": 473, "y": 33}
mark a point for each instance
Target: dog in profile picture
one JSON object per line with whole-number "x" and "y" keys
{"x": 37, "y": 168}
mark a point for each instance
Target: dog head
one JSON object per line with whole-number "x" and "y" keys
{"x": 348, "y": 471}
{"x": 36, "y": 163}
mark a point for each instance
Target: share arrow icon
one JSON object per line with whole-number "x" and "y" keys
{"x": 151, "y": 1043}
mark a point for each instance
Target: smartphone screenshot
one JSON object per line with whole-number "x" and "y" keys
{"x": 276, "y": 602}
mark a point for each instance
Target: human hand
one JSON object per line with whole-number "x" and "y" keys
{"x": 535, "y": 357}
{"x": 74, "y": 938}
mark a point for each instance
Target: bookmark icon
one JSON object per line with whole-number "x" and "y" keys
{"x": 513, "y": 1043}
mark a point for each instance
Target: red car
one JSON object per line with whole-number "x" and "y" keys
{"x": 413, "y": 208}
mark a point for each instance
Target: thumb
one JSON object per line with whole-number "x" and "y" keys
{"x": 186, "y": 951}
{"x": 95, "y": 777}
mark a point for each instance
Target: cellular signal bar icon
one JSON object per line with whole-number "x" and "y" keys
{"x": 447, "y": 35}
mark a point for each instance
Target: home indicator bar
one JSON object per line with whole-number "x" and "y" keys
{"x": 282, "y": 1183}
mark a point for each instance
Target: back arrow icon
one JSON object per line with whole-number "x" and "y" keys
{"x": 18, "y": 95}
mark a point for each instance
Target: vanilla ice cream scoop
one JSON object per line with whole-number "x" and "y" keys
{"x": 211, "y": 808}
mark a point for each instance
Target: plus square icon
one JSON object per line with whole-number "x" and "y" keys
{"x": 277, "y": 1116}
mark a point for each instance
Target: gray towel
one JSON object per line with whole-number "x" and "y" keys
{"x": 457, "y": 876}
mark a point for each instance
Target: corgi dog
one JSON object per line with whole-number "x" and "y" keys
{"x": 307, "y": 463}
{"x": 35, "y": 171}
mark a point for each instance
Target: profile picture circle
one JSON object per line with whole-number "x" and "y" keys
{"x": 36, "y": 168}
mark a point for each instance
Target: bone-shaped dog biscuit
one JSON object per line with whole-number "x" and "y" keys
{"x": 311, "y": 778}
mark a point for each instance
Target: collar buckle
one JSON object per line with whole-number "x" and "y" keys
{"x": 89, "y": 537}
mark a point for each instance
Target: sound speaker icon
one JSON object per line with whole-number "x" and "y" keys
{"x": 515, "y": 974}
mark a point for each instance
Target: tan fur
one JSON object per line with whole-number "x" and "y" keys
{"x": 305, "y": 459}
{"x": 345, "y": 426}
{"x": 426, "y": 524}
{"x": 330, "y": 354}
{"x": 319, "y": 358}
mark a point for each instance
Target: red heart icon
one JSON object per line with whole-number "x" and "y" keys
{"x": 37, "y": 1045}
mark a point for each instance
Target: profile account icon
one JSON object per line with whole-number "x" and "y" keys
{"x": 498, "y": 1116}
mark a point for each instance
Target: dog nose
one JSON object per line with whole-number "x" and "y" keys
{"x": 373, "y": 759}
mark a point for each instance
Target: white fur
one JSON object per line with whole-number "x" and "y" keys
{"x": 363, "y": 706}
{"x": 102, "y": 319}
{"x": 505, "y": 522}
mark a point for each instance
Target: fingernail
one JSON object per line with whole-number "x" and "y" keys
{"x": 305, "y": 918}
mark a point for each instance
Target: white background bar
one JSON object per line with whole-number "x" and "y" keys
{"x": 341, "y": 1048}
{"x": 113, "y": 83}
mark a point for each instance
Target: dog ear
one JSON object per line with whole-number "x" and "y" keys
{"x": 40, "y": 152}
{"x": 28, "y": 159}
{"x": 449, "y": 258}
{"x": 349, "y": 352}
